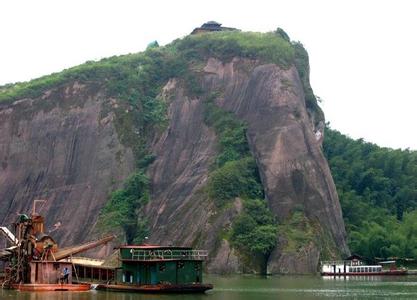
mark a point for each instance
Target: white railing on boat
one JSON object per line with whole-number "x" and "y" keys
{"x": 348, "y": 263}
{"x": 168, "y": 254}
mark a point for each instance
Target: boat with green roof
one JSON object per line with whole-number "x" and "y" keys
{"x": 147, "y": 269}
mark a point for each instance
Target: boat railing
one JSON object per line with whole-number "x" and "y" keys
{"x": 348, "y": 263}
{"x": 147, "y": 255}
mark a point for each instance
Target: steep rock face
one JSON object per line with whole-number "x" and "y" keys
{"x": 294, "y": 172}
{"x": 183, "y": 156}
{"x": 179, "y": 212}
{"x": 62, "y": 147}
{"x": 293, "y": 169}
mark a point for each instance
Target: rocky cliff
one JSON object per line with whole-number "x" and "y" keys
{"x": 294, "y": 172}
{"x": 62, "y": 148}
{"x": 67, "y": 145}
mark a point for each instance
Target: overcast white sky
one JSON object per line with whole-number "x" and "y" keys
{"x": 363, "y": 54}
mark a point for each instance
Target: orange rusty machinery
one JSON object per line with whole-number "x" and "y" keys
{"x": 31, "y": 244}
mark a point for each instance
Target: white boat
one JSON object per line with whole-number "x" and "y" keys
{"x": 354, "y": 266}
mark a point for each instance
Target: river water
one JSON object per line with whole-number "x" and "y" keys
{"x": 252, "y": 287}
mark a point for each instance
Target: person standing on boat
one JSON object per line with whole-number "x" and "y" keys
{"x": 65, "y": 275}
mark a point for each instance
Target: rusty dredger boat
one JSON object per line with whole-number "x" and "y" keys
{"x": 33, "y": 262}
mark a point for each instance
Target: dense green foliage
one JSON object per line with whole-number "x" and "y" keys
{"x": 377, "y": 188}
{"x": 267, "y": 47}
{"x": 281, "y": 33}
{"x": 128, "y": 77}
{"x": 255, "y": 230}
{"x": 237, "y": 178}
{"x": 231, "y": 133}
{"x": 235, "y": 172}
{"x": 386, "y": 238}
{"x": 123, "y": 208}
{"x": 135, "y": 75}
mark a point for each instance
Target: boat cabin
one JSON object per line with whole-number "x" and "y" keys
{"x": 348, "y": 268}
{"x": 93, "y": 270}
{"x": 160, "y": 265}
{"x": 50, "y": 272}
{"x": 352, "y": 264}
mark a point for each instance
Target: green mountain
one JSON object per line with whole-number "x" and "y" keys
{"x": 377, "y": 189}
{"x": 212, "y": 141}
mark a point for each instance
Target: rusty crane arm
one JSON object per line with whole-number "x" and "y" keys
{"x": 67, "y": 252}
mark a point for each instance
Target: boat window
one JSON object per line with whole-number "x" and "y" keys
{"x": 366, "y": 269}
{"x": 350, "y": 269}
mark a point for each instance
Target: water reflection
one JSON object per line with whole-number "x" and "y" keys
{"x": 354, "y": 278}
{"x": 92, "y": 295}
{"x": 252, "y": 287}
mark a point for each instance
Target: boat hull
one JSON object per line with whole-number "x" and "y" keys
{"x": 157, "y": 288}
{"x": 51, "y": 287}
{"x": 385, "y": 273}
